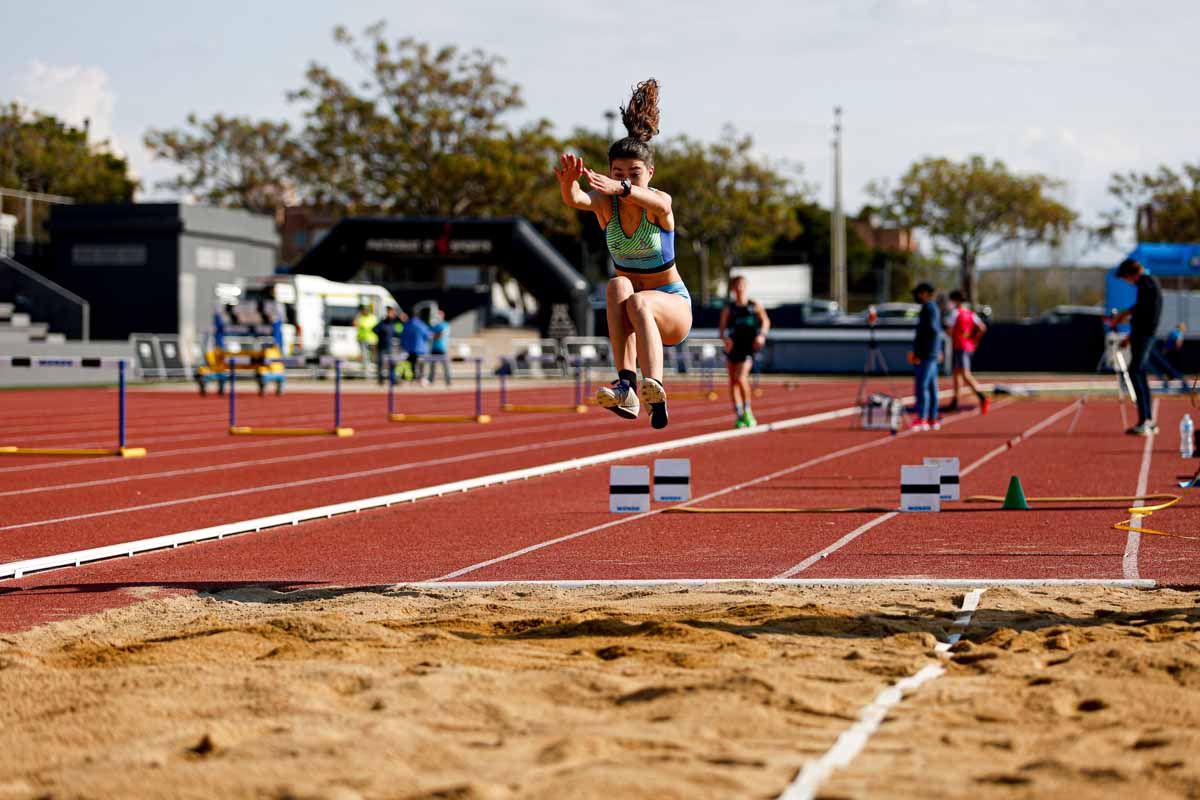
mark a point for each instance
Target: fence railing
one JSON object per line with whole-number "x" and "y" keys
{"x": 46, "y": 301}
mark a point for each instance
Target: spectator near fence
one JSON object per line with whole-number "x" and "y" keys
{"x": 924, "y": 357}
{"x": 415, "y": 340}
{"x": 440, "y": 346}
{"x": 364, "y": 326}
{"x": 1143, "y": 319}
{"x": 387, "y": 331}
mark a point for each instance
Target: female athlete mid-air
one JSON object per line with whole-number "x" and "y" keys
{"x": 648, "y": 303}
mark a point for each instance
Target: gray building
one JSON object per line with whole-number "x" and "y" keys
{"x": 154, "y": 267}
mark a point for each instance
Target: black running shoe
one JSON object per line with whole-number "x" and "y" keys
{"x": 655, "y": 397}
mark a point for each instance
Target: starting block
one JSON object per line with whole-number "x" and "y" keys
{"x": 920, "y": 488}
{"x": 948, "y": 470}
{"x": 628, "y": 490}
{"x": 672, "y": 480}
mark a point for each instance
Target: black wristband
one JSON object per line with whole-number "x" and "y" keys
{"x": 626, "y": 188}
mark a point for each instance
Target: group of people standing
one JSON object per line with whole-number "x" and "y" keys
{"x": 421, "y": 343}
{"x": 952, "y": 317}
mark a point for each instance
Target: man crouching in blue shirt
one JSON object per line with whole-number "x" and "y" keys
{"x": 927, "y": 348}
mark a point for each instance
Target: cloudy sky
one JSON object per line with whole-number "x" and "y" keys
{"x": 1073, "y": 89}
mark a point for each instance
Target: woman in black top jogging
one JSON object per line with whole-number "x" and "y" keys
{"x": 744, "y": 325}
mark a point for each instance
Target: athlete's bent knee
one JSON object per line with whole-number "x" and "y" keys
{"x": 619, "y": 288}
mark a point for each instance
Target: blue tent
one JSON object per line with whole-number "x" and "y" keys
{"x": 1168, "y": 260}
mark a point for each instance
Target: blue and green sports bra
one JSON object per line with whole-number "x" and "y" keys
{"x": 650, "y": 249}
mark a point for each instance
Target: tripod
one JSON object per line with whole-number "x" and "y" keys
{"x": 876, "y": 413}
{"x": 1114, "y": 359}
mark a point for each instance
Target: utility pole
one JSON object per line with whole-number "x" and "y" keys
{"x": 611, "y": 116}
{"x": 838, "y": 285}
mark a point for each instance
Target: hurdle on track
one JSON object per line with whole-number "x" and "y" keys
{"x": 252, "y": 430}
{"x": 701, "y": 355}
{"x": 121, "y": 450}
{"x": 578, "y": 407}
{"x": 478, "y": 417}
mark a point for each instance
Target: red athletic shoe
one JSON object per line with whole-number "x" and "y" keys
{"x": 919, "y": 425}
{"x": 984, "y": 404}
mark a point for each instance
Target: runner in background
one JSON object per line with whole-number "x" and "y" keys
{"x": 965, "y": 329}
{"x": 744, "y": 325}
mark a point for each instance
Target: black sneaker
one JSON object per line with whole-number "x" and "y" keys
{"x": 655, "y": 397}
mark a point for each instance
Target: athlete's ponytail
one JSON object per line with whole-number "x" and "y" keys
{"x": 640, "y": 118}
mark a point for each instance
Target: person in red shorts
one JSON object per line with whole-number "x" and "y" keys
{"x": 965, "y": 329}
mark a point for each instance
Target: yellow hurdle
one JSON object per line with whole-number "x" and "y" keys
{"x": 546, "y": 409}
{"x": 246, "y": 430}
{"x": 692, "y": 395}
{"x": 481, "y": 419}
{"x": 122, "y": 452}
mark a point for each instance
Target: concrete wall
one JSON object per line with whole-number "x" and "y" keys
{"x": 63, "y": 376}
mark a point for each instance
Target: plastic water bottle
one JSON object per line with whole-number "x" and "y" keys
{"x": 1187, "y": 438}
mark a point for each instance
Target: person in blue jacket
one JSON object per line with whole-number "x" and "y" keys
{"x": 926, "y": 352}
{"x": 415, "y": 340}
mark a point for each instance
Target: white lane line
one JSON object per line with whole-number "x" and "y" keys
{"x": 720, "y": 492}
{"x": 405, "y": 444}
{"x": 518, "y": 426}
{"x": 16, "y": 569}
{"x": 882, "y": 518}
{"x": 471, "y": 456}
{"x": 1133, "y": 539}
{"x": 633, "y": 583}
{"x": 852, "y": 741}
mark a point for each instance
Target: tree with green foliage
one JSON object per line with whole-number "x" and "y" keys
{"x": 1163, "y": 206}
{"x": 41, "y": 153}
{"x": 423, "y": 133}
{"x": 231, "y": 161}
{"x": 971, "y": 208}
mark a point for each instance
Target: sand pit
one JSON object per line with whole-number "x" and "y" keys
{"x": 670, "y": 692}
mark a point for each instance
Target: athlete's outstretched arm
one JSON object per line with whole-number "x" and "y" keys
{"x": 570, "y": 168}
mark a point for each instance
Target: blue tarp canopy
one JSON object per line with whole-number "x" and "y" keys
{"x": 1168, "y": 260}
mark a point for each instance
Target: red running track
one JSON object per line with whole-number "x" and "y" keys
{"x": 823, "y": 465}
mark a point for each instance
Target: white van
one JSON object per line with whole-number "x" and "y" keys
{"x": 317, "y": 314}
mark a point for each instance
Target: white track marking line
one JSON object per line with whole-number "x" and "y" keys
{"x": 404, "y": 444}
{"x": 17, "y": 569}
{"x": 852, "y": 741}
{"x": 956, "y": 583}
{"x": 1133, "y": 539}
{"x": 471, "y": 456}
{"x": 882, "y": 518}
{"x": 625, "y": 520}
{"x": 718, "y": 493}
{"x": 515, "y": 429}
